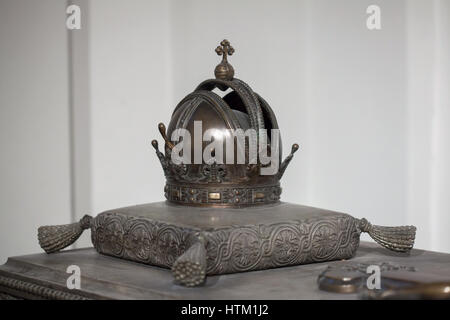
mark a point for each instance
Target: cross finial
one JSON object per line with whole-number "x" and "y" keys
{"x": 224, "y": 70}
{"x": 225, "y": 49}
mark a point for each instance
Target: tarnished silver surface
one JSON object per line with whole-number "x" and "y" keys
{"x": 351, "y": 277}
{"x": 105, "y": 277}
{"x": 236, "y": 240}
{"x": 396, "y": 281}
{"x": 233, "y": 240}
{"x": 208, "y": 219}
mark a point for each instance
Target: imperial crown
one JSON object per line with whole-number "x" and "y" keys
{"x": 216, "y": 183}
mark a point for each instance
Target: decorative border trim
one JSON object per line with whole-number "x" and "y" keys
{"x": 37, "y": 290}
{"x": 222, "y": 196}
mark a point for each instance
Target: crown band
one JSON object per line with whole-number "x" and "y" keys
{"x": 223, "y": 196}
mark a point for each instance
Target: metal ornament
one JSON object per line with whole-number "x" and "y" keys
{"x": 224, "y": 70}
{"x": 223, "y": 218}
{"x": 396, "y": 281}
{"x": 350, "y": 277}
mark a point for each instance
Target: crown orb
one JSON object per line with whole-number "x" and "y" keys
{"x": 224, "y": 71}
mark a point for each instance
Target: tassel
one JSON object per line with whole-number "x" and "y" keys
{"x": 190, "y": 268}
{"x": 55, "y": 238}
{"x": 399, "y": 239}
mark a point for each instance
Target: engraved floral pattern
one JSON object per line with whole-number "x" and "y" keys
{"x": 324, "y": 241}
{"x": 246, "y": 249}
{"x": 229, "y": 249}
{"x": 138, "y": 242}
{"x": 286, "y": 245}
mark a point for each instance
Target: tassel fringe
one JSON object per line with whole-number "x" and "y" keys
{"x": 190, "y": 268}
{"x": 399, "y": 239}
{"x": 55, "y": 238}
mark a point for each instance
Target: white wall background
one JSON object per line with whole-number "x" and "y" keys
{"x": 370, "y": 109}
{"x": 34, "y": 122}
